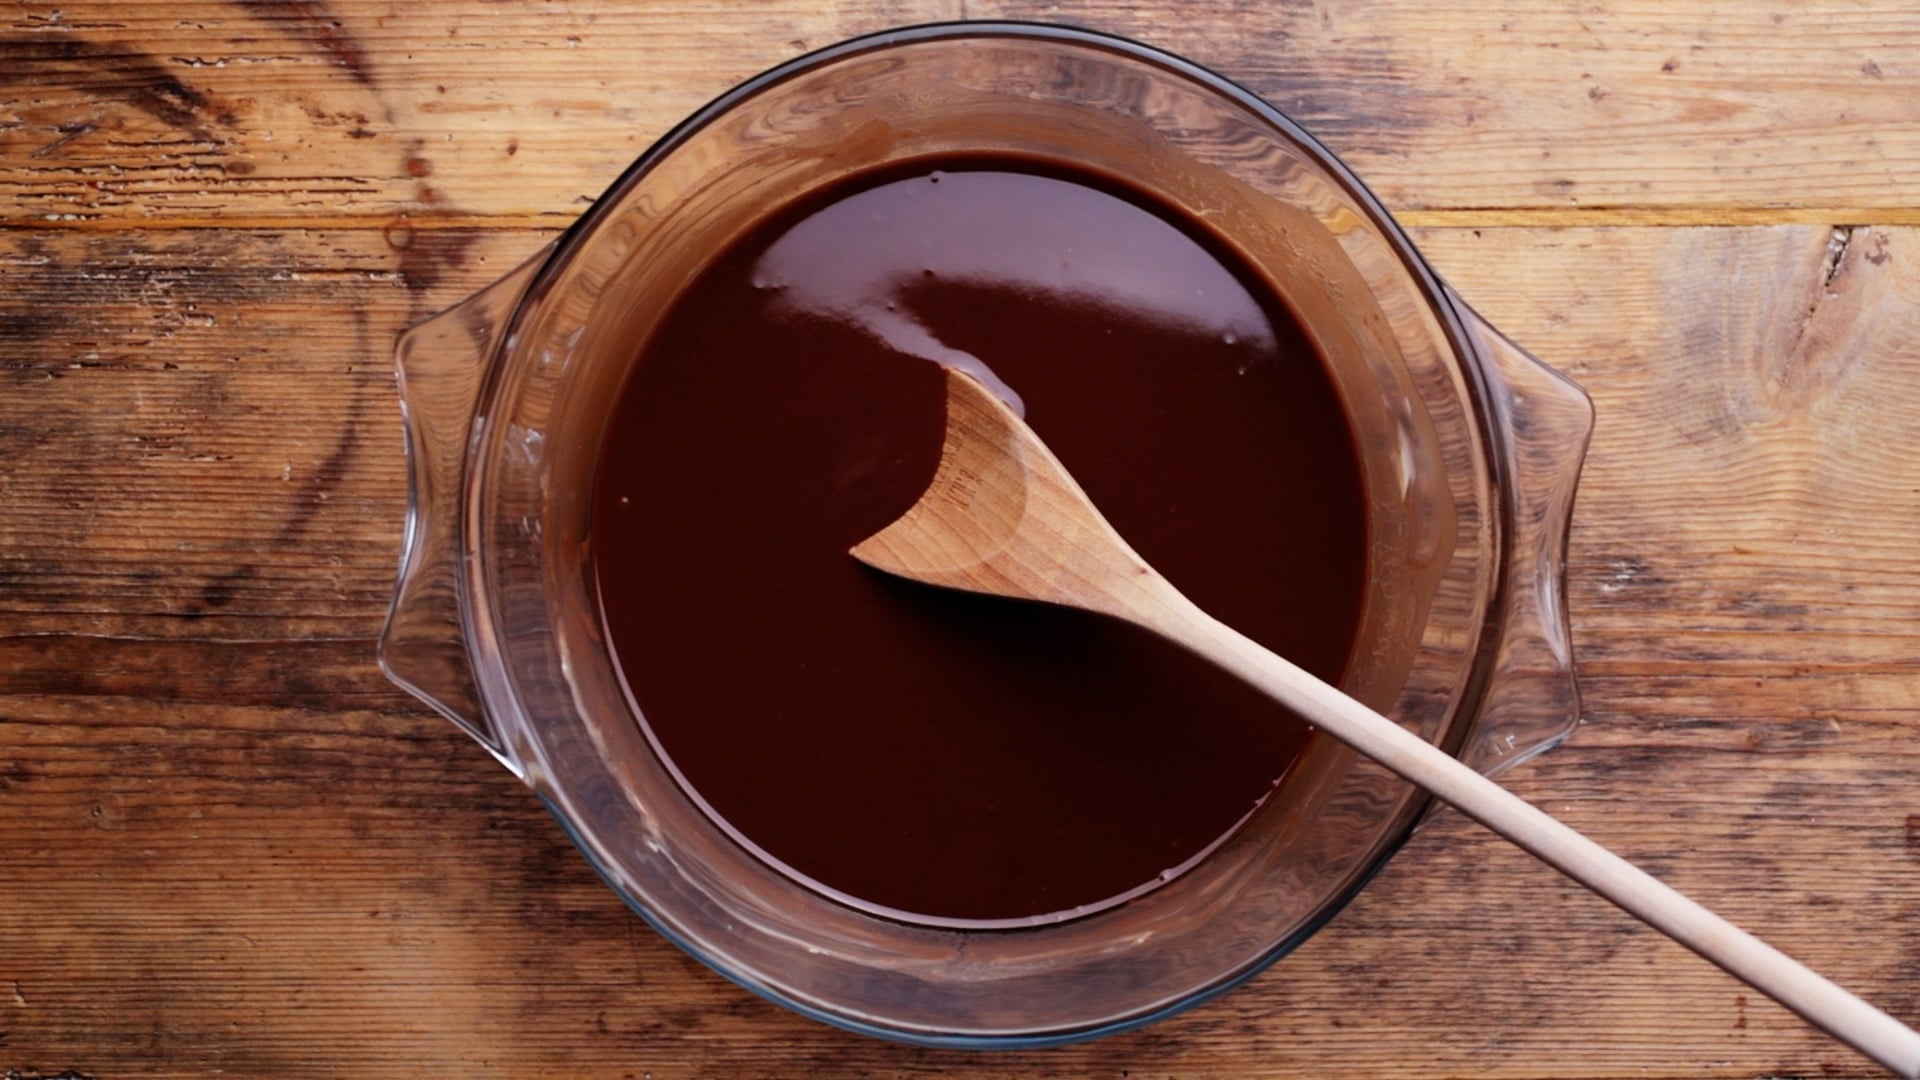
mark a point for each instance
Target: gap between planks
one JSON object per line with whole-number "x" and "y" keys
{"x": 1463, "y": 218}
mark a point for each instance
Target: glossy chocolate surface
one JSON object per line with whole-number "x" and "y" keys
{"x": 926, "y": 753}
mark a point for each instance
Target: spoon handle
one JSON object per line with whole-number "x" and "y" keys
{"x": 1766, "y": 969}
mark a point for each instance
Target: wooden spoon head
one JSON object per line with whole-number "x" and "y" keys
{"x": 1003, "y": 517}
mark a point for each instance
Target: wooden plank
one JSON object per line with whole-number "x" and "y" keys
{"x": 280, "y": 902}
{"x": 285, "y": 111}
{"x": 228, "y": 844}
{"x": 1750, "y": 379}
{"x": 201, "y": 429}
{"x": 361, "y": 108}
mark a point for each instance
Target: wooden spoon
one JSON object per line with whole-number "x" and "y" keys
{"x": 1003, "y": 517}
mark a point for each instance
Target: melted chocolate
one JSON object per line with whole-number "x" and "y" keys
{"x": 929, "y": 753}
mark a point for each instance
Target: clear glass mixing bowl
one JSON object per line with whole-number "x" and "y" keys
{"x": 1471, "y": 451}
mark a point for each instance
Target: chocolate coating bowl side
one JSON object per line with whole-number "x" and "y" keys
{"x": 1470, "y": 451}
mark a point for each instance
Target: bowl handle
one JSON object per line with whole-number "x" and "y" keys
{"x": 1541, "y": 423}
{"x": 442, "y": 366}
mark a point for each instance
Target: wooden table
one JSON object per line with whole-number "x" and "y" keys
{"x": 228, "y": 846}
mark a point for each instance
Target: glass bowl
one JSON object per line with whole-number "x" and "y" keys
{"x": 1470, "y": 454}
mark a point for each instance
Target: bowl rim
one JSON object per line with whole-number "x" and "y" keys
{"x": 1438, "y": 299}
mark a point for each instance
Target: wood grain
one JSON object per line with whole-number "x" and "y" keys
{"x": 270, "y": 110}
{"x": 228, "y": 846}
